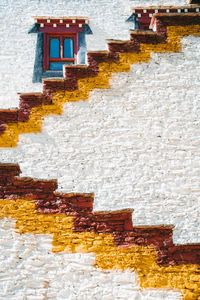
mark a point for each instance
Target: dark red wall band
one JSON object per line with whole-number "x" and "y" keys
{"x": 73, "y": 73}
{"x": 117, "y": 223}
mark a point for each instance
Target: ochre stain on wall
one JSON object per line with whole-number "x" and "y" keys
{"x": 118, "y": 223}
{"x": 34, "y": 124}
{"x": 141, "y": 259}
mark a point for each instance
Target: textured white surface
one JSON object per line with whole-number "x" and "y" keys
{"x": 30, "y": 271}
{"x": 17, "y": 52}
{"x": 134, "y": 145}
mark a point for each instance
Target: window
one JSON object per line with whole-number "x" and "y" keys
{"x": 60, "y": 50}
{"x": 60, "y": 41}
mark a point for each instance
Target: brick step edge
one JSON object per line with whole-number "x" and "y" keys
{"x": 72, "y": 73}
{"x": 117, "y": 223}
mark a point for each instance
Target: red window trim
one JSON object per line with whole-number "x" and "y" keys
{"x": 60, "y": 35}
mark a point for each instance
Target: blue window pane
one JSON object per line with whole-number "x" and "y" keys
{"x": 54, "y": 48}
{"x": 68, "y": 48}
{"x": 58, "y": 66}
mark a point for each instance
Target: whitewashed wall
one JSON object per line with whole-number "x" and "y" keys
{"x": 30, "y": 271}
{"x": 17, "y": 51}
{"x": 135, "y": 145}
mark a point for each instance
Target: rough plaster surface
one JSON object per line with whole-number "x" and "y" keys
{"x": 30, "y": 271}
{"x": 17, "y": 52}
{"x": 134, "y": 145}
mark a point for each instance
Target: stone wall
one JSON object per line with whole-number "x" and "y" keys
{"x": 134, "y": 143}
{"x": 17, "y": 53}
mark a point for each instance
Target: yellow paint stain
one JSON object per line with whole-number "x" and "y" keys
{"x": 141, "y": 259}
{"x": 34, "y": 125}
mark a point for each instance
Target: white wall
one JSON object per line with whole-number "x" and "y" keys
{"x": 17, "y": 51}
{"x": 134, "y": 145}
{"x": 30, "y": 271}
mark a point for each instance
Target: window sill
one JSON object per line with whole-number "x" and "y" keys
{"x": 48, "y": 74}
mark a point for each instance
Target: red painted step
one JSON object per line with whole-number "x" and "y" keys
{"x": 73, "y": 73}
{"x": 117, "y": 223}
